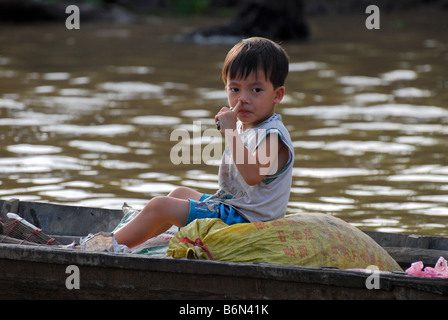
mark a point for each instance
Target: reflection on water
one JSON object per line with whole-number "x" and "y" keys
{"x": 86, "y": 117}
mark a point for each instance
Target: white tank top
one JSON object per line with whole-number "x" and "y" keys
{"x": 268, "y": 199}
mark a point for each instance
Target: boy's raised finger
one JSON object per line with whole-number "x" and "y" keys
{"x": 237, "y": 107}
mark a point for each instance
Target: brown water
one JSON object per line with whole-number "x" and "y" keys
{"x": 86, "y": 116}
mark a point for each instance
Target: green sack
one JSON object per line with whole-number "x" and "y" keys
{"x": 304, "y": 239}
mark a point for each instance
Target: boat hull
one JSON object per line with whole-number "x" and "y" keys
{"x": 42, "y": 273}
{"x": 45, "y": 272}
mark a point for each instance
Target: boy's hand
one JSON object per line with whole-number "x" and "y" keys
{"x": 226, "y": 117}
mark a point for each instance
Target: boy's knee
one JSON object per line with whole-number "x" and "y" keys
{"x": 155, "y": 205}
{"x": 176, "y": 192}
{"x": 181, "y": 193}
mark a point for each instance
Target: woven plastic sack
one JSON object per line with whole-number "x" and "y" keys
{"x": 304, "y": 239}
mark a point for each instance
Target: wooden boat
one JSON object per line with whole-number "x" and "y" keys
{"x": 42, "y": 271}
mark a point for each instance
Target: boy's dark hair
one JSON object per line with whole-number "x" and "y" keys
{"x": 253, "y": 54}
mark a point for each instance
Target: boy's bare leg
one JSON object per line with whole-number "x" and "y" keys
{"x": 185, "y": 193}
{"x": 156, "y": 217}
{"x": 180, "y": 193}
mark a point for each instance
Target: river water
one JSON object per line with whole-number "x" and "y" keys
{"x": 86, "y": 116}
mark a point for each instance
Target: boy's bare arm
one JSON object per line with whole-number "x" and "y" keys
{"x": 254, "y": 167}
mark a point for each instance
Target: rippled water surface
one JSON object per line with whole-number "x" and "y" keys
{"x": 86, "y": 116}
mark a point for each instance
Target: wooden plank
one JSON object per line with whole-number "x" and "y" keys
{"x": 408, "y": 240}
{"x": 69, "y": 220}
{"x": 406, "y": 256}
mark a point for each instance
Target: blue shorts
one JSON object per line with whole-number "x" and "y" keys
{"x": 200, "y": 209}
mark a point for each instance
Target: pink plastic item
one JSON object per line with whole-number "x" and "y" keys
{"x": 440, "y": 270}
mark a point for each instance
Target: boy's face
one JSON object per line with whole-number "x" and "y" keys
{"x": 257, "y": 95}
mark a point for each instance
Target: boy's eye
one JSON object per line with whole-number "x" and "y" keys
{"x": 257, "y": 90}
{"x": 234, "y": 89}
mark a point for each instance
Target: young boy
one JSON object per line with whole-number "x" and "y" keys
{"x": 256, "y": 170}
